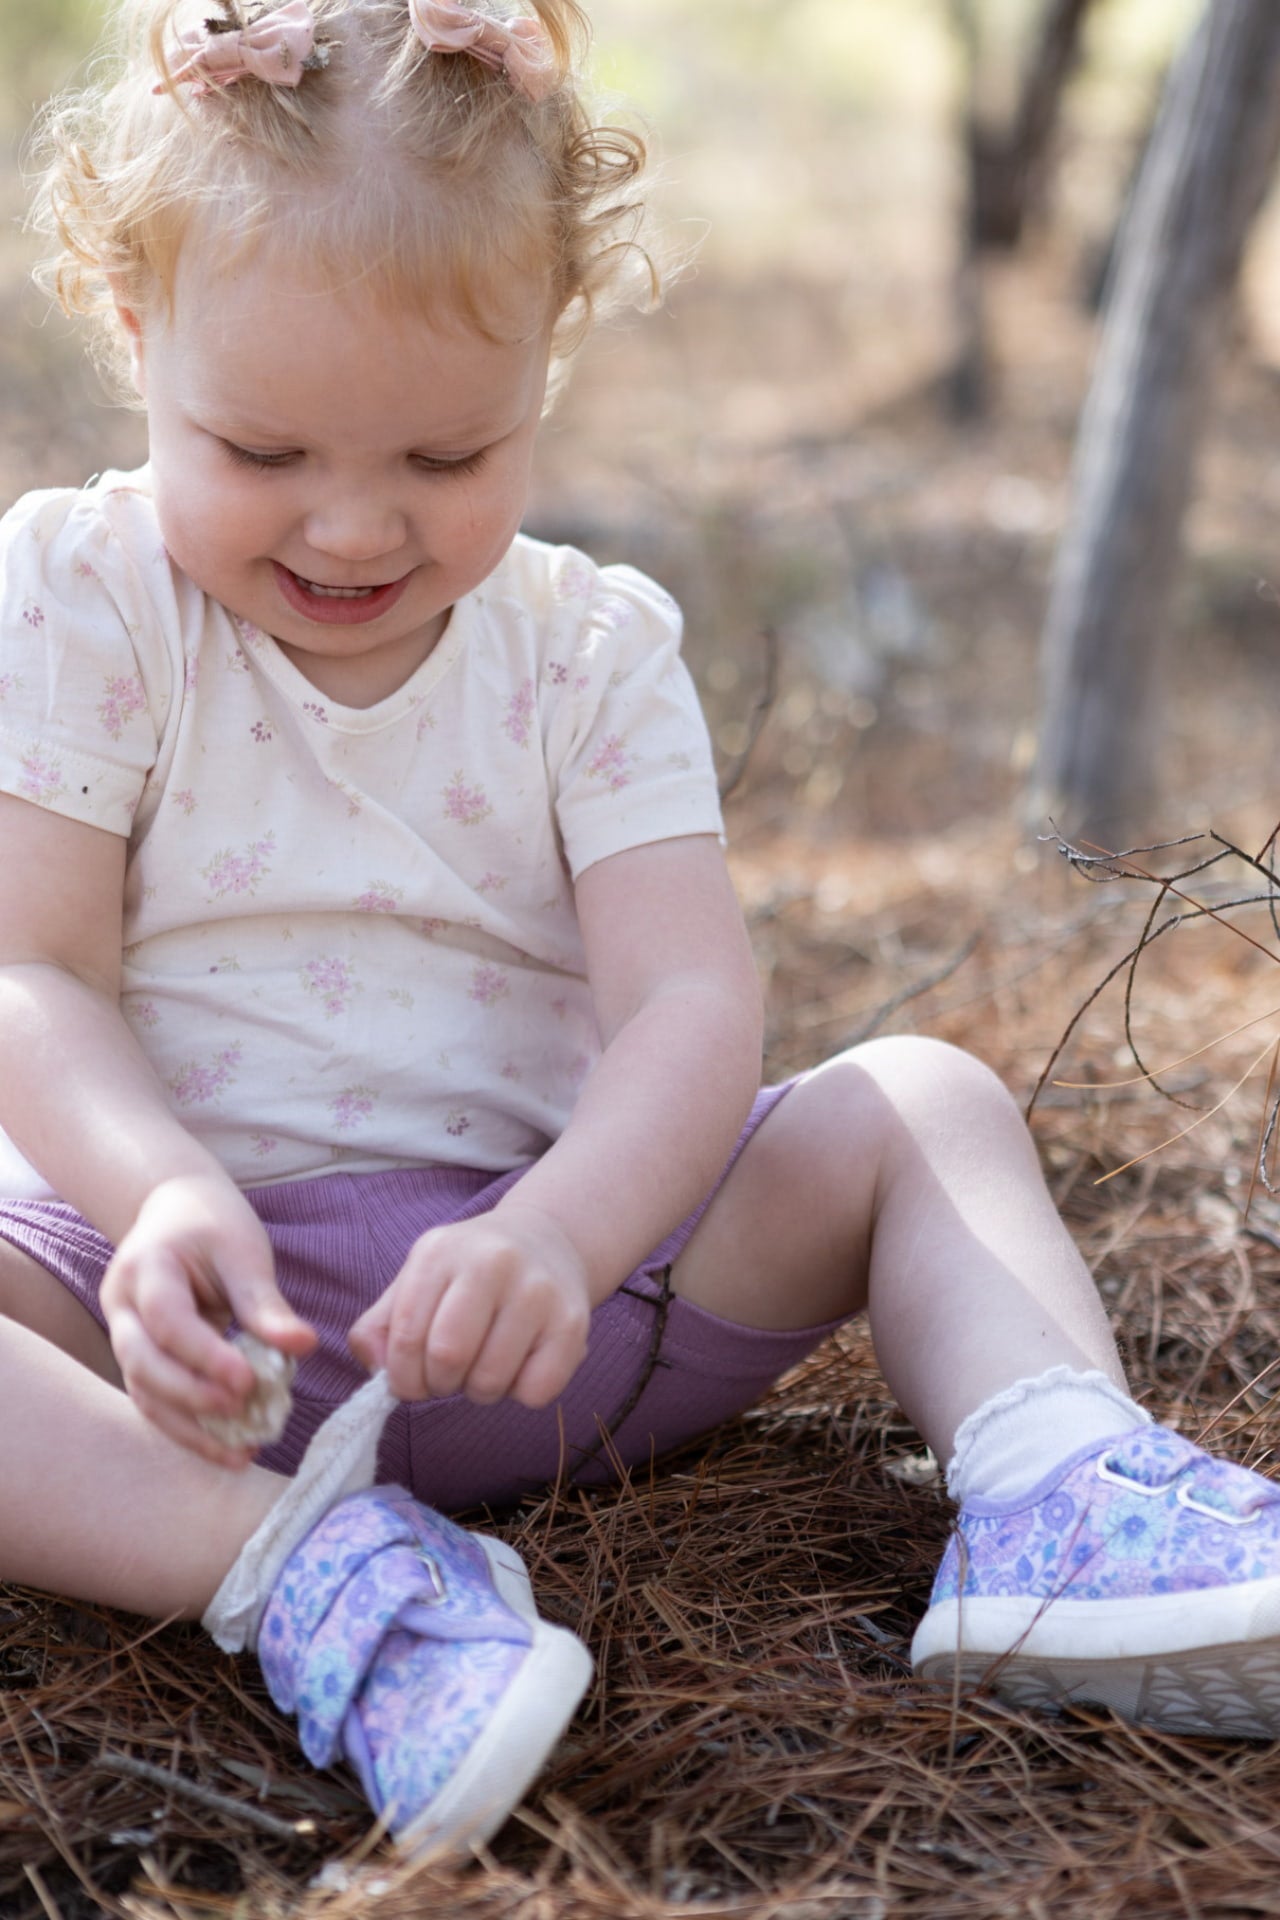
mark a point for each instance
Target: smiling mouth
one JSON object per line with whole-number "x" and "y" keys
{"x": 337, "y": 606}
{"x": 335, "y": 593}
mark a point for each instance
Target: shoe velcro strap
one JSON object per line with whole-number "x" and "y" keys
{"x": 349, "y": 1585}
{"x": 1154, "y": 1460}
{"x": 1151, "y": 1458}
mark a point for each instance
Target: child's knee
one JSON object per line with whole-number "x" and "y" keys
{"x": 922, "y": 1084}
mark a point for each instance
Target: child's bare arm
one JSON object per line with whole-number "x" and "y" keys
{"x": 678, "y": 1004}
{"x": 500, "y": 1305}
{"x": 79, "y": 1099}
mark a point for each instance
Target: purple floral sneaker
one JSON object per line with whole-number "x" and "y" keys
{"x": 1143, "y": 1575}
{"x": 412, "y": 1649}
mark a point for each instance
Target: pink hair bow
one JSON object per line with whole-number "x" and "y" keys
{"x": 519, "y": 48}
{"x": 278, "y": 47}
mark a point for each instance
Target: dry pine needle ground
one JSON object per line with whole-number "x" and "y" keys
{"x": 754, "y": 1744}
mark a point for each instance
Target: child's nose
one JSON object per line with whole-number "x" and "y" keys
{"x": 356, "y": 526}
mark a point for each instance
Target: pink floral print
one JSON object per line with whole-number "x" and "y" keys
{"x": 33, "y": 615}
{"x": 613, "y": 616}
{"x": 230, "y": 871}
{"x": 379, "y": 897}
{"x": 41, "y": 777}
{"x": 352, "y": 1108}
{"x": 348, "y": 793}
{"x": 332, "y": 980}
{"x": 122, "y": 698}
{"x": 489, "y": 984}
{"x": 145, "y": 1013}
{"x": 609, "y": 762}
{"x": 185, "y": 799}
{"x": 467, "y": 805}
{"x": 11, "y": 683}
{"x": 195, "y": 1084}
{"x": 517, "y": 721}
{"x": 263, "y": 732}
{"x": 457, "y": 1123}
{"x": 491, "y": 883}
{"x": 574, "y": 580}
{"x": 264, "y": 1145}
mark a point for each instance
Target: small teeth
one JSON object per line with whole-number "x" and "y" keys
{"x": 338, "y": 593}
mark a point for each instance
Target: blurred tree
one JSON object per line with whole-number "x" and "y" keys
{"x": 1202, "y": 180}
{"x": 1014, "y": 83}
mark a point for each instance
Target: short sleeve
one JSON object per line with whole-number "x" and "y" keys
{"x": 85, "y": 676}
{"x": 628, "y": 748}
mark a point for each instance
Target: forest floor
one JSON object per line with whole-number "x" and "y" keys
{"x": 777, "y": 450}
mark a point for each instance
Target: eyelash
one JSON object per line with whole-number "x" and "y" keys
{"x": 272, "y": 462}
{"x": 453, "y": 469}
{"x": 260, "y": 462}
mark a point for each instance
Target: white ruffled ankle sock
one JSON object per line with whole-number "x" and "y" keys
{"x": 1006, "y": 1446}
{"x": 341, "y": 1459}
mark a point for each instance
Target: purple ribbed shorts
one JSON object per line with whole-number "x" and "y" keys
{"x": 658, "y": 1370}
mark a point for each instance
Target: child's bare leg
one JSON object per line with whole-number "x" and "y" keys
{"x": 32, "y": 1296}
{"x": 900, "y": 1177}
{"x": 96, "y": 1503}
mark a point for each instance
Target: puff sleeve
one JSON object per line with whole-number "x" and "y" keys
{"x": 628, "y": 748}
{"x": 85, "y": 670}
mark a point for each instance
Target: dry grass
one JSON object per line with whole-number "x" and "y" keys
{"x": 754, "y": 1743}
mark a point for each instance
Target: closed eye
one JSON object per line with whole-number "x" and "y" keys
{"x": 455, "y": 469}
{"x": 260, "y": 462}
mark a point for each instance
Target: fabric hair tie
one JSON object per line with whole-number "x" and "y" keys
{"x": 278, "y": 47}
{"x": 518, "y": 48}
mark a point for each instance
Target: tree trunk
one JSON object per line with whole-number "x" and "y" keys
{"x": 1006, "y": 164}
{"x": 1202, "y": 181}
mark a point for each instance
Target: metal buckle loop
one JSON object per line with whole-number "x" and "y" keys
{"x": 436, "y": 1598}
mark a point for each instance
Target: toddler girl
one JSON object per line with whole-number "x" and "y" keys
{"x": 370, "y": 978}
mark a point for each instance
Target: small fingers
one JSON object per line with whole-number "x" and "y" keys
{"x": 187, "y": 1432}
{"x": 163, "y": 1303}
{"x": 502, "y": 1353}
{"x": 549, "y": 1368}
{"x": 445, "y": 1339}
{"x": 170, "y": 1397}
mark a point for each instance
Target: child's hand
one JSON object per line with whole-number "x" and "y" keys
{"x": 496, "y": 1308}
{"x": 195, "y": 1255}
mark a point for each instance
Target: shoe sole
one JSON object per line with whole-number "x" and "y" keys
{"x": 1227, "y": 1682}
{"x": 508, "y": 1755}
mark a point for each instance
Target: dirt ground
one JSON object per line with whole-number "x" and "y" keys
{"x": 776, "y": 448}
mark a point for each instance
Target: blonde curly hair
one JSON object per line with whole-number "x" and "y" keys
{"x": 427, "y": 178}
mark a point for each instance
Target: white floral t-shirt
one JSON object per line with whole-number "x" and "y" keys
{"x": 350, "y": 936}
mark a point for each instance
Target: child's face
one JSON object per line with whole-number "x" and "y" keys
{"x": 304, "y": 439}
